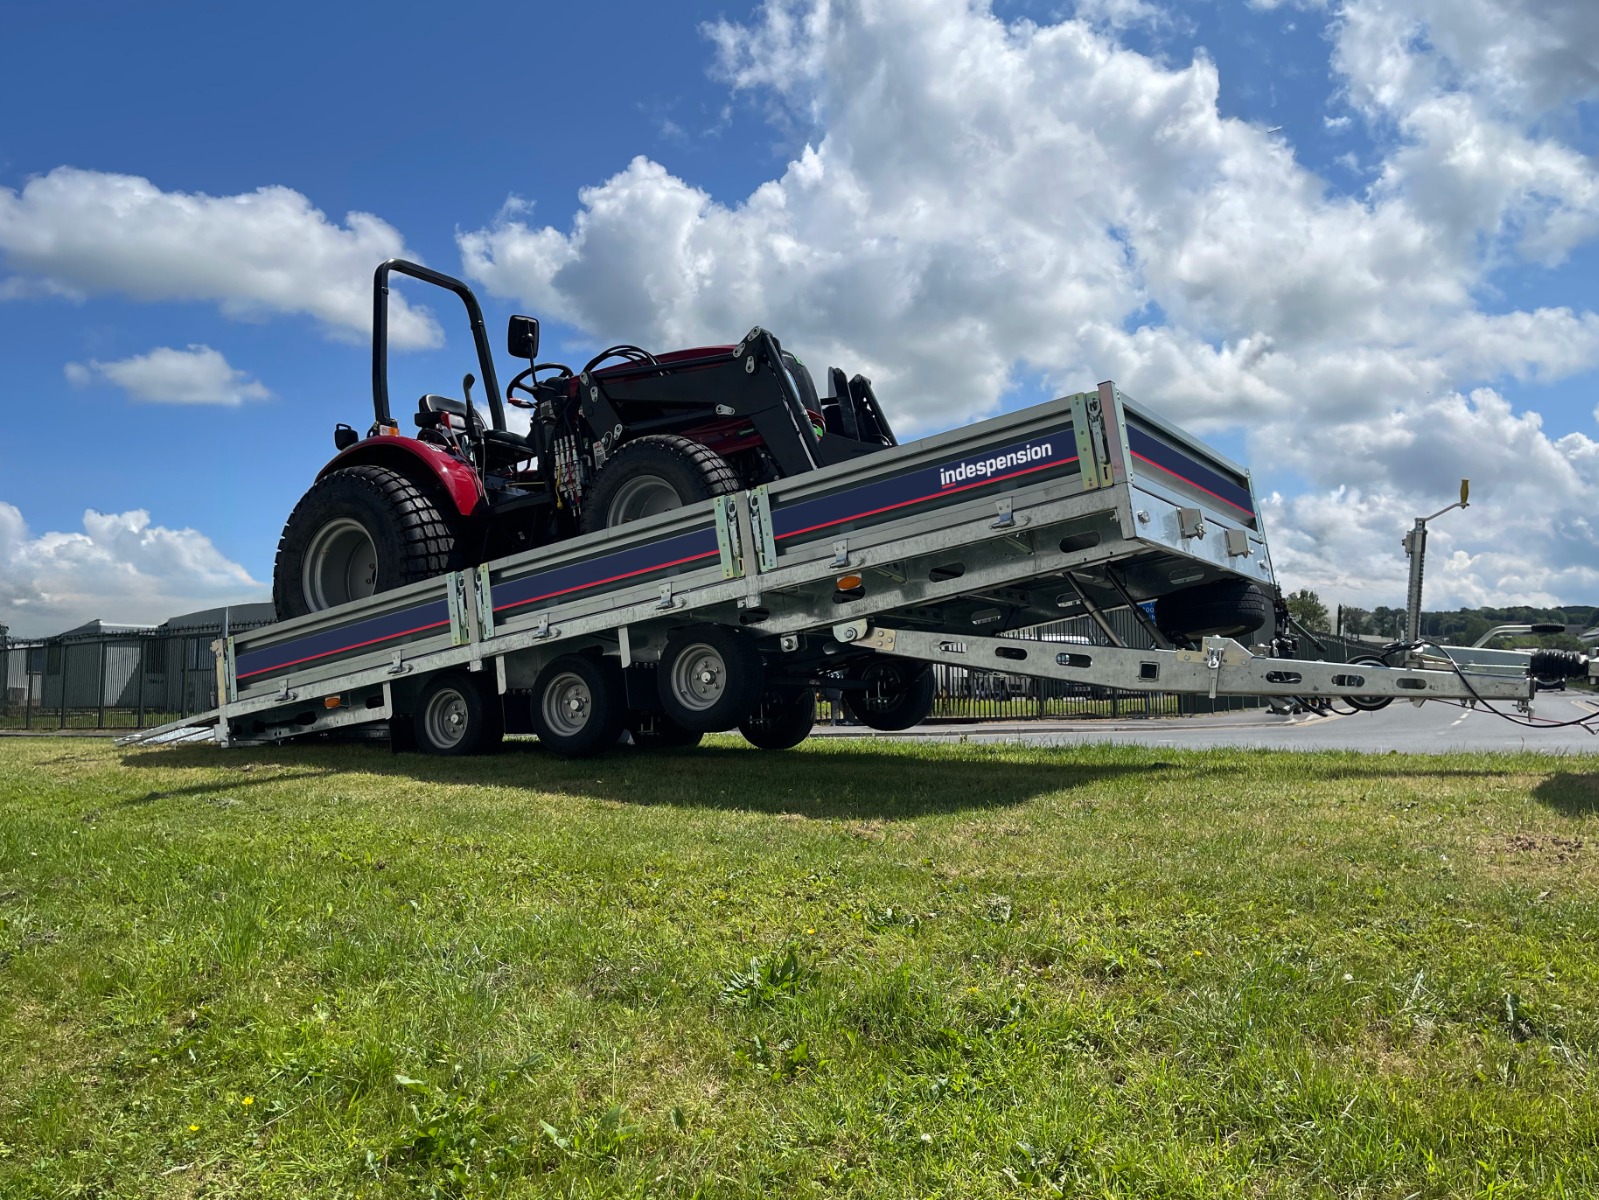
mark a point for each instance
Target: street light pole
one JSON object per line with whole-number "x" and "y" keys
{"x": 1415, "y": 544}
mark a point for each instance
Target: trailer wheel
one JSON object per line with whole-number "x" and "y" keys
{"x": 1368, "y": 703}
{"x": 579, "y": 705}
{"x": 456, "y": 715}
{"x": 655, "y": 474}
{"x": 783, "y": 718}
{"x": 710, "y": 677}
{"x": 359, "y": 531}
{"x": 657, "y": 731}
{"x": 1225, "y": 608}
{"x": 898, "y": 694}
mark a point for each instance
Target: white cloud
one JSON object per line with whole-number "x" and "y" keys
{"x": 1522, "y": 58}
{"x": 984, "y": 199}
{"x": 1528, "y": 536}
{"x": 120, "y": 569}
{"x": 1480, "y": 93}
{"x": 198, "y": 375}
{"x": 269, "y": 251}
{"x": 1122, "y": 14}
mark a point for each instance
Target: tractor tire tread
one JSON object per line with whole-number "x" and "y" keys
{"x": 430, "y": 544}
{"x": 702, "y": 462}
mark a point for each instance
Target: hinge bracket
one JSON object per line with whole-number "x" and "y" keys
{"x": 729, "y": 546}
{"x": 761, "y": 514}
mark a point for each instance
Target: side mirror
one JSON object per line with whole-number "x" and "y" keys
{"x": 522, "y": 338}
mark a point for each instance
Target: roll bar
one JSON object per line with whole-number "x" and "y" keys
{"x": 380, "y": 335}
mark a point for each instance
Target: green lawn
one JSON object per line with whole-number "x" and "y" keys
{"x": 863, "y": 970}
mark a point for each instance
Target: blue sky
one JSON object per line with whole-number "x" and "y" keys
{"x": 428, "y": 118}
{"x": 1353, "y": 243}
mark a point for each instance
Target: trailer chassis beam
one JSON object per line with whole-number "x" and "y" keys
{"x": 1221, "y": 667}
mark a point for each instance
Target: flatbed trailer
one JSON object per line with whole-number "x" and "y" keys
{"x": 923, "y": 553}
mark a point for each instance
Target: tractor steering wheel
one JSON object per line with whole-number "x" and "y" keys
{"x": 520, "y": 382}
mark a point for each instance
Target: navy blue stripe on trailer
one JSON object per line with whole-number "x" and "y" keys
{"x": 1048, "y": 452}
{"x": 676, "y": 551}
{"x": 372, "y": 632}
{"x": 611, "y": 568}
{"x": 1172, "y": 461}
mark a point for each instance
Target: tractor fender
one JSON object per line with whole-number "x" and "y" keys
{"x": 418, "y": 461}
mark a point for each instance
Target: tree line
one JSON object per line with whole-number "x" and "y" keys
{"x": 1458, "y": 627}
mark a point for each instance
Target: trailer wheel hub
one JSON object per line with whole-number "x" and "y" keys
{"x": 445, "y": 717}
{"x": 699, "y": 677}
{"x": 568, "y": 704}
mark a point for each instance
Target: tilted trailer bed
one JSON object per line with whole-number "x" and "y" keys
{"x": 923, "y": 552}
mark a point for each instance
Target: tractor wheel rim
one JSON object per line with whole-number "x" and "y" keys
{"x": 699, "y": 677}
{"x": 446, "y": 718}
{"x": 341, "y": 565}
{"x": 568, "y": 704}
{"x": 640, "y": 497}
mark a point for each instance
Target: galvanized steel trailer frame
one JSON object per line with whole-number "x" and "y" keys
{"x": 1073, "y": 507}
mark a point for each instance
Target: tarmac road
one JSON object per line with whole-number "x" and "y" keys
{"x": 1432, "y": 728}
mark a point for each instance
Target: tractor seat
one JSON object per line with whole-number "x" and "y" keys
{"x": 503, "y": 448}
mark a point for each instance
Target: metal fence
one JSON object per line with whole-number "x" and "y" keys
{"x": 125, "y": 680}
{"x": 135, "y": 680}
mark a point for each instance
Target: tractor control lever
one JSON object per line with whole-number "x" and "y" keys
{"x": 474, "y": 427}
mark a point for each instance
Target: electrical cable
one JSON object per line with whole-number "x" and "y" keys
{"x": 1587, "y": 722}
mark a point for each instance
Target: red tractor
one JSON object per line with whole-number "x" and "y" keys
{"x": 630, "y": 435}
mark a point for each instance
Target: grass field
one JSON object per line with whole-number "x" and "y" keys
{"x": 885, "y": 970}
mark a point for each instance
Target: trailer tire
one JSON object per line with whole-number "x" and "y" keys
{"x": 782, "y": 720}
{"x": 456, "y": 715}
{"x": 1226, "y": 608}
{"x": 359, "y": 531}
{"x": 711, "y": 677}
{"x": 1368, "y": 703}
{"x": 657, "y": 731}
{"x": 654, "y": 474}
{"x": 899, "y": 694}
{"x": 579, "y": 705}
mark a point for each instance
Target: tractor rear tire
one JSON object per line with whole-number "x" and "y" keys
{"x": 655, "y": 474}
{"x": 1226, "y": 608}
{"x": 359, "y": 531}
{"x": 898, "y": 695}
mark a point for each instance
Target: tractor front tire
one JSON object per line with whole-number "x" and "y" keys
{"x": 654, "y": 474}
{"x": 359, "y": 531}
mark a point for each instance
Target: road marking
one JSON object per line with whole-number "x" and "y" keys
{"x": 1460, "y": 718}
